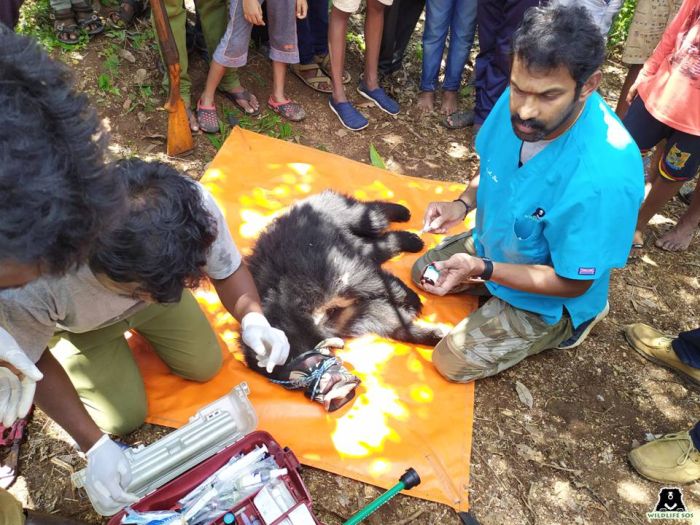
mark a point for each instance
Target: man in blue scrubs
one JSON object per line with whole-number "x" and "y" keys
{"x": 558, "y": 192}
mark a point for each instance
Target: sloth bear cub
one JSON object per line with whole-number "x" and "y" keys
{"x": 318, "y": 271}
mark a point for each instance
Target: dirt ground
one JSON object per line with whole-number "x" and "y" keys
{"x": 562, "y": 461}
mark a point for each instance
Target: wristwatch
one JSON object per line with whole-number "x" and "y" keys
{"x": 488, "y": 269}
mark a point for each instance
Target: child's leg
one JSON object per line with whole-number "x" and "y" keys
{"x": 374, "y": 25}
{"x": 232, "y": 52}
{"x": 284, "y": 50}
{"x": 680, "y": 163}
{"x": 279, "y": 71}
{"x": 214, "y": 19}
{"x": 282, "y": 28}
{"x": 337, "y": 30}
{"x": 216, "y": 73}
{"x": 647, "y": 132}
{"x": 278, "y": 101}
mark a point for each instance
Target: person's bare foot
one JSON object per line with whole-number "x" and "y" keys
{"x": 324, "y": 85}
{"x": 245, "y": 100}
{"x": 449, "y": 102}
{"x": 194, "y": 125}
{"x": 638, "y": 239}
{"x": 678, "y": 239}
{"x": 426, "y": 101}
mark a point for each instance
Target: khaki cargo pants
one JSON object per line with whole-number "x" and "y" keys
{"x": 11, "y": 512}
{"x": 495, "y": 337}
{"x": 103, "y": 370}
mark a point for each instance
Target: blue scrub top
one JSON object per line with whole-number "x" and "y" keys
{"x": 573, "y": 206}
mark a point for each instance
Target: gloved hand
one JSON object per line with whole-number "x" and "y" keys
{"x": 16, "y": 392}
{"x": 270, "y": 344}
{"x": 108, "y": 475}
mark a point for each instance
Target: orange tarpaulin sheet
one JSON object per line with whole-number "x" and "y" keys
{"x": 405, "y": 414}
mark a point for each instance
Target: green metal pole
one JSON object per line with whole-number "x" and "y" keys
{"x": 409, "y": 480}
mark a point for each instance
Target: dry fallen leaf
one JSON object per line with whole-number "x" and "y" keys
{"x": 524, "y": 394}
{"x": 529, "y": 453}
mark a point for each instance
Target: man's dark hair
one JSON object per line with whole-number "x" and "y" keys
{"x": 554, "y": 35}
{"x": 164, "y": 236}
{"x": 55, "y": 191}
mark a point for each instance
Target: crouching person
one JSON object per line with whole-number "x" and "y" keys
{"x": 559, "y": 187}
{"x": 170, "y": 237}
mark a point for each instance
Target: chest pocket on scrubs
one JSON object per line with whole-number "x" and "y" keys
{"x": 528, "y": 241}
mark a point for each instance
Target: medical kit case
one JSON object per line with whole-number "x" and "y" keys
{"x": 219, "y": 436}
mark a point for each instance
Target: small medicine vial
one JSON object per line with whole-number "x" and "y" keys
{"x": 430, "y": 275}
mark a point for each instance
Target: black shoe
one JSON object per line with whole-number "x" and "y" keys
{"x": 580, "y": 334}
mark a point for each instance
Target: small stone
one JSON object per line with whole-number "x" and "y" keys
{"x": 127, "y": 104}
{"x": 600, "y": 398}
{"x": 142, "y": 117}
{"x": 140, "y": 77}
{"x": 127, "y": 55}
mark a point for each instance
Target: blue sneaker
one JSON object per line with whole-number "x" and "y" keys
{"x": 583, "y": 330}
{"x": 380, "y": 98}
{"x": 348, "y": 115}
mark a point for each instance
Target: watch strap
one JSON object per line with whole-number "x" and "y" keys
{"x": 467, "y": 209}
{"x": 488, "y": 269}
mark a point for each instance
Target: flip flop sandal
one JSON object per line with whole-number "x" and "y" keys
{"x": 85, "y": 16}
{"x": 237, "y": 97}
{"x": 325, "y": 65}
{"x": 288, "y": 109}
{"x": 322, "y": 376}
{"x": 315, "y": 82}
{"x": 64, "y": 25}
{"x": 124, "y": 16}
{"x": 635, "y": 251}
{"x": 207, "y": 118}
{"x": 459, "y": 120}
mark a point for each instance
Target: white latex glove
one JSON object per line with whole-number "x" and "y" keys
{"x": 107, "y": 477}
{"x": 270, "y": 344}
{"x": 16, "y": 393}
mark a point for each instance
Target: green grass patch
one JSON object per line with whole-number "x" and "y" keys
{"x": 375, "y": 158}
{"x": 621, "y": 25}
{"x": 356, "y": 38}
{"x": 110, "y": 70}
{"x": 270, "y": 124}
